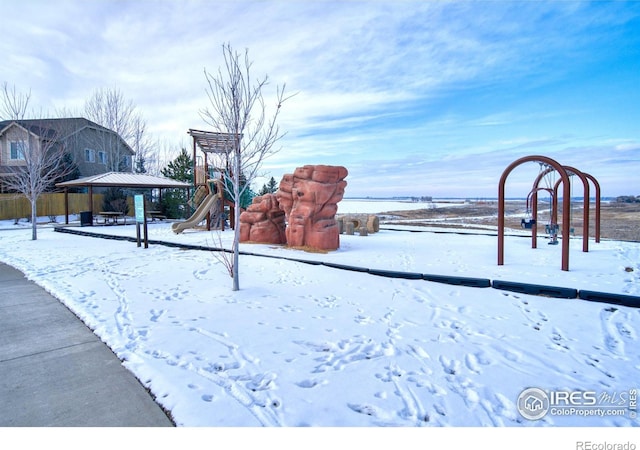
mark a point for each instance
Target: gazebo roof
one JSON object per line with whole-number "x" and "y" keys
{"x": 125, "y": 180}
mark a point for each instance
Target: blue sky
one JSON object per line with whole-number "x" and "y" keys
{"x": 413, "y": 97}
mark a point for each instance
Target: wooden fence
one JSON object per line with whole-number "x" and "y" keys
{"x": 16, "y": 206}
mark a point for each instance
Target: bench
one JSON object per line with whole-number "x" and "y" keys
{"x": 153, "y": 215}
{"x": 111, "y": 217}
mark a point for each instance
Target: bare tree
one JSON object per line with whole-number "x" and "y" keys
{"x": 237, "y": 108}
{"x": 109, "y": 108}
{"x": 13, "y": 105}
{"x": 164, "y": 152}
{"x": 40, "y": 160}
{"x": 145, "y": 159}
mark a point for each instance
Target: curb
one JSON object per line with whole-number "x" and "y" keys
{"x": 616, "y": 299}
{"x": 459, "y": 281}
{"x": 535, "y": 289}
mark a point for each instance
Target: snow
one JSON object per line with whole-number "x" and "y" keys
{"x": 309, "y": 345}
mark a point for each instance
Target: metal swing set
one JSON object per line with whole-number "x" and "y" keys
{"x": 549, "y": 168}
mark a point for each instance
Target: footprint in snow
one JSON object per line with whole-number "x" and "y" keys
{"x": 262, "y": 382}
{"x": 558, "y": 339}
{"x": 369, "y": 410}
{"x": 450, "y": 366}
{"x": 156, "y": 314}
{"x": 311, "y": 383}
{"x": 511, "y": 355}
{"x": 613, "y": 322}
{"x": 363, "y": 320}
{"x": 472, "y": 363}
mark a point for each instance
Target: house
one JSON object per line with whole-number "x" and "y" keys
{"x": 93, "y": 148}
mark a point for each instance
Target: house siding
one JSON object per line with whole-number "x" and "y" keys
{"x": 12, "y": 134}
{"x": 76, "y": 134}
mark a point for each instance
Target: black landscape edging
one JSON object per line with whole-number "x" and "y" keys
{"x": 522, "y": 288}
{"x": 396, "y": 274}
{"x": 458, "y": 281}
{"x": 345, "y": 267}
{"x": 305, "y": 261}
{"x": 616, "y": 299}
{"x": 96, "y": 235}
{"x": 535, "y": 289}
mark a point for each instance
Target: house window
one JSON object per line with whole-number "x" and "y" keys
{"x": 102, "y": 157}
{"x": 17, "y": 150}
{"x": 89, "y": 155}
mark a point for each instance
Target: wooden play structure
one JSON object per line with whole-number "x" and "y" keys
{"x": 548, "y": 167}
{"x": 209, "y": 178}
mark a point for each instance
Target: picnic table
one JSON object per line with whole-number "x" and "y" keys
{"x": 156, "y": 215}
{"x": 111, "y": 217}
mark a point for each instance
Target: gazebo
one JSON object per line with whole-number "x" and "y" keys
{"x": 118, "y": 179}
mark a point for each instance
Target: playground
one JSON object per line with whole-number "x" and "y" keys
{"x": 393, "y": 328}
{"x": 306, "y": 344}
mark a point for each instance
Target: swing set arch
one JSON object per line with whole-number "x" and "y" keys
{"x": 565, "y": 172}
{"x": 566, "y": 203}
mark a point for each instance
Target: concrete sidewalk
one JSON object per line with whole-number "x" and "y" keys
{"x": 54, "y": 372}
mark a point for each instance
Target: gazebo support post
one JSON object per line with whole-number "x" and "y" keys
{"x": 91, "y": 202}
{"x": 66, "y": 206}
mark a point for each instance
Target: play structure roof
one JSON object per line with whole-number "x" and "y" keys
{"x": 125, "y": 180}
{"x": 213, "y": 142}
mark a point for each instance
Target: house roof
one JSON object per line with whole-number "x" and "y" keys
{"x": 125, "y": 180}
{"x": 37, "y": 129}
{"x": 59, "y": 129}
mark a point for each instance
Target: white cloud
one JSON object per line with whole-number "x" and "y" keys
{"x": 401, "y": 87}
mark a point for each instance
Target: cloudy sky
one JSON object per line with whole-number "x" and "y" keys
{"x": 413, "y": 97}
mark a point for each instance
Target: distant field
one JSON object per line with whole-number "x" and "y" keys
{"x": 619, "y": 221}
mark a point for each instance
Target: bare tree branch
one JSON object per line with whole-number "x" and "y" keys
{"x": 109, "y": 108}
{"x": 14, "y": 104}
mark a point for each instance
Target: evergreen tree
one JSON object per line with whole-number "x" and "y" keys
{"x": 174, "y": 201}
{"x": 115, "y": 200}
{"x": 139, "y": 165}
{"x": 181, "y": 168}
{"x": 70, "y": 172}
{"x": 269, "y": 188}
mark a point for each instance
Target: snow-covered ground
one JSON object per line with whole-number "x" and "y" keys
{"x": 310, "y": 345}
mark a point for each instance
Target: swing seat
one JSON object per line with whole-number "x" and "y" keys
{"x": 551, "y": 229}
{"x": 527, "y": 223}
